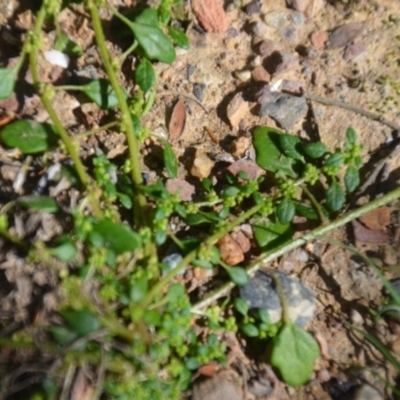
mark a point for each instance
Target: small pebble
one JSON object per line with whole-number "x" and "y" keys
{"x": 299, "y": 5}
{"x": 319, "y": 39}
{"x": 256, "y": 61}
{"x": 276, "y": 19}
{"x": 260, "y": 74}
{"x": 253, "y": 7}
{"x": 240, "y": 145}
{"x": 243, "y": 76}
{"x": 356, "y": 317}
{"x": 55, "y": 57}
{"x": 323, "y": 375}
{"x": 353, "y": 50}
{"x": 260, "y": 29}
{"x": 364, "y": 392}
{"x": 289, "y": 33}
{"x": 190, "y": 70}
{"x": 202, "y": 165}
{"x": 198, "y": 91}
{"x": 267, "y": 47}
{"x": 298, "y": 18}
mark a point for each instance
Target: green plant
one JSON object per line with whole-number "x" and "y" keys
{"x": 142, "y": 315}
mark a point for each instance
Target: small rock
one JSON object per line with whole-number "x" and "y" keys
{"x": 299, "y": 5}
{"x": 298, "y": 18}
{"x": 211, "y": 15}
{"x": 256, "y": 62}
{"x": 260, "y": 29}
{"x": 289, "y": 33}
{"x": 260, "y": 74}
{"x": 253, "y": 7}
{"x": 230, "y": 250}
{"x": 261, "y": 292}
{"x": 291, "y": 86}
{"x": 319, "y": 39}
{"x": 237, "y": 110}
{"x": 240, "y": 145}
{"x": 190, "y": 70}
{"x": 185, "y": 189}
{"x": 55, "y": 57}
{"x": 345, "y": 34}
{"x": 267, "y": 47}
{"x": 243, "y": 76}
{"x": 276, "y": 19}
{"x": 198, "y": 91}
{"x": 323, "y": 375}
{"x": 364, "y": 392}
{"x": 356, "y": 317}
{"x": 285, "y": 109}
{"x": 248, "y": 166}
{"x": 202, "y": 165}
{"x": 353, "y": 50}
{"x": 9, "y": 172}
{"x": 242, "y": 240}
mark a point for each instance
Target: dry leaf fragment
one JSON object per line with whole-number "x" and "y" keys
{"x": 237, "y": 110}
{"x": 345, "y": 34}
{"x": 231, "y": 253}
{"x": 364, "y": 234}
{"x": 211, "y": 15}
{"x": 377, "y": 219}
{"x": 178, "y": 119}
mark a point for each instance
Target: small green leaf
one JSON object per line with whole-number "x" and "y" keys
{"x": 205, "y": 264}
{"x": 285, "y": 211}
{"x": 171, "y": 164}
{"x": 65, "y": 252}
{"x": 29, "y": 136}
{"x": 241, "y": 306}
{"x": 116, "y": 236}
{"x": 139, "y": 289}
{"x": 125, "y": 200}
{"x": 306, "y": 211}
{"x": 81, "y": 322}
{"x": 335, "y": 160}
{"x": 66, "y": 45}
{"x": 269, "y": 153}
{"x": 7, "y": 81}
{"x": 351, "y": 178}
{"x": 335, "y": 197}
{"x": 293, "y": 354}
{"x": 269, "y": 235}
{"x": 40, "y": 203}
{"x": 145, "y": 75}
{"x": 351, "y": 135}
{"x": 230, "y": 191}
{"x": 101, "y": 93}
{"x": 179, "y": 37}
{"x": 155, "y": 44}
{"x": 316, "y": 150}
{"x": 290, "y": 145}
{"x": 62, "y": 335}
{"x": 250, "y": 330}
{"x": 238, "y": 275}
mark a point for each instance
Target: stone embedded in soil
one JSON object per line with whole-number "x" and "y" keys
{"x": 253, "y": 7}
{"x": 353, "y": 50}
{"x": 298, "y": 18}
{"x": 289, "y": 33}
{"x": 276, "y": 19}
{"x": 202, "y": 165}
{"x": 267, "y": 47}
{"x": 237, "y": 110}
{"x": 240, "y": 145}
{"x": 285, "y": 109}
{"x": 363, "y": 392}
{"x": 243, "y": 76}
{"x": 184, "y": 188}
{"x": 211, "y": 15}
{"x": 299, "y": 5}
{"x": 198, "y": 91}
{"x": 345, "y": 34}
{"x": 260, "y": 29}
{"x": 261, "y": 292}
{"x": 260, "y": 74}
{"x": 250, "y": 167}
{"x": 280, "y": 62}
{"x": 230, "y": 250}
{"x": 292, "y": 86}
{"x": 319, "y": 39}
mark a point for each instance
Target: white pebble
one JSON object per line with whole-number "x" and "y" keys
{"x": 55, "y": 57}
{"x": 256, "y": 61}
{"x": 244, "y": 76}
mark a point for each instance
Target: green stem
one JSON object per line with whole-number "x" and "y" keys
{"x": 139, "y": 200}
{"x": 44, "y": 96}
{"x": 13, "y": 239}
{"x": 282, "y": 298}
{"x": 97, "y": 130}
{"x": 265, "y": 258}
{"x": 315, "y": 203}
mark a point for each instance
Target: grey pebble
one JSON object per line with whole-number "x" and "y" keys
{"x": 363, "y": 392}
{"x": 190, "y": 70}
{"x": 285, "y": 109}
{"x": 198, "y": 91}
{"x": 289, "y": 33}
{"x": 261, "y": 292}
{"x": 298, "y": 18}
{"x": 260, "y": 29}
{"x": 253, "y": 7}
{"x": 276, "y": 19}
